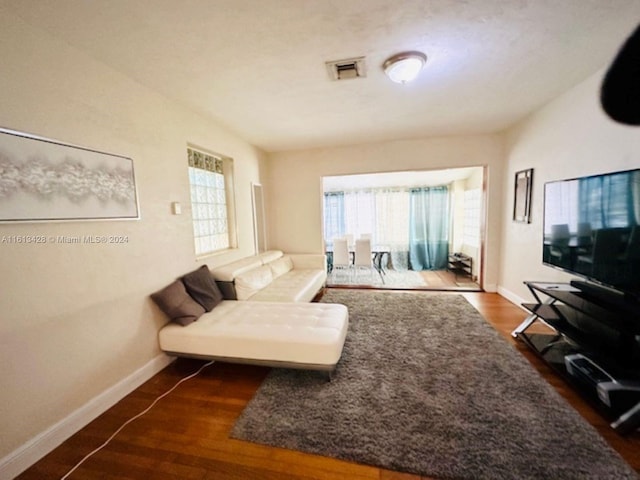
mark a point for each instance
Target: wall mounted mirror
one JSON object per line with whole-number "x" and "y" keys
{"x": 522, "y": 197}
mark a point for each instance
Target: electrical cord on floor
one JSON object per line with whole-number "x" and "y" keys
{"x": 134, "y": 418}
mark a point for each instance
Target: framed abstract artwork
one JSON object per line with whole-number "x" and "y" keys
{"x": 44, "y": 180}
{"x": 522, "y": 196}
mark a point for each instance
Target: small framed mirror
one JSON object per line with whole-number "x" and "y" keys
{"x": 522, "y": 196}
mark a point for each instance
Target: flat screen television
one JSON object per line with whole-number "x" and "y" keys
{"x": 592, "y": 230}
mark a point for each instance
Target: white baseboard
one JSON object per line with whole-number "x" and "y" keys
{"x": 490, "y": 287}
{"x": 512, "y": 297}
{"x": 36, "y": 448}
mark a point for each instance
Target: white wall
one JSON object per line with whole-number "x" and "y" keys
{"x": 295, "y": 196}
{"x": 569, "y": 137}
{"x": 76, "y": 319}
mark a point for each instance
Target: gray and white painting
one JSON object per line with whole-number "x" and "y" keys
{"x": 42, "y": 179}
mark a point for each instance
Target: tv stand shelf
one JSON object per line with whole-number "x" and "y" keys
{"x": 585, "y": 330}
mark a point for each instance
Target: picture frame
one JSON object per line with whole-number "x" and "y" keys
{"x": 45, "y": 180}
{"x": 522, "y": 196}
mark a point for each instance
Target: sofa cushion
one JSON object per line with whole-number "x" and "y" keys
{"x": 269, "y": 256}
{"x": 248, "y": 283}
{"x": 294, "y": 286}
{"x": 177, "y": 304}
{"x": 202, "y": 287}
{"x": 280, "y": 266}
{"x": 228, "y": 272}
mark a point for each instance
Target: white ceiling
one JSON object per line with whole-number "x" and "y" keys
{"x": 258, "y": 66}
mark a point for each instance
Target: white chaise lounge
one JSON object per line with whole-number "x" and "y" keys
{"x": 291, "y": 335}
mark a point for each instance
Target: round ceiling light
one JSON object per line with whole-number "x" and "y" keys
{"x": 404, "y": 67}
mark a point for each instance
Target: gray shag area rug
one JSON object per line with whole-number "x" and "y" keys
{"x": 426, "y": 386}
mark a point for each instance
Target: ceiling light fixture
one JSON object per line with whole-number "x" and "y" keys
{"x": 404, "y": 67}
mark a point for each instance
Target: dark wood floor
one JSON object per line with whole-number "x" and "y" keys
{"x": 185, "y": 436}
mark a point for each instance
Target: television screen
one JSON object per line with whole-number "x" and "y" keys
{"x": 591, "y": 229}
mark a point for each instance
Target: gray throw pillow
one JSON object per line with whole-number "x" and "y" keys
{"x": 202, "y": 287}
{"x": 176, "y": 303}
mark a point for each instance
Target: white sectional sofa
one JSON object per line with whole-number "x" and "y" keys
{"x": 265, "y": 317}
{"x": 273, "y": 277}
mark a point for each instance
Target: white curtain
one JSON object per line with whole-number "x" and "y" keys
{"x": 382, "y": 213}
{"x": 392, "y": 225}
{"x": 359, "y": 213}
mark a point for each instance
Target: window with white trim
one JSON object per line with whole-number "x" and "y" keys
{"x": 472, "y": 209}
{"x": 210, "y": 178}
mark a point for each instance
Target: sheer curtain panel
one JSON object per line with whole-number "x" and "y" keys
{"x": 429, "y": 228}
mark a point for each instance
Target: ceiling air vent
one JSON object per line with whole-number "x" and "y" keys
{"x": 348, "y": 68}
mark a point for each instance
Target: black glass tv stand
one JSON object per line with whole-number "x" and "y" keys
{"x": 593, "y": 345}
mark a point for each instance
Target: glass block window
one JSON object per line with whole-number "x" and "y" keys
{"x": 472, "y": 209}
{"x": 210, "y": 212}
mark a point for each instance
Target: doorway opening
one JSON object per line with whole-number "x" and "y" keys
{"x": 425, "y": 229}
